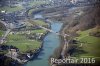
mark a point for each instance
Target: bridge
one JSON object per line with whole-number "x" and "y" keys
{"x": 49, "y": 30}
{"x": 66, "y": 42}
{"x": 32, "y": 22}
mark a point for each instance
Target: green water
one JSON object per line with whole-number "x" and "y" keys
{"x": 51, "y": 42}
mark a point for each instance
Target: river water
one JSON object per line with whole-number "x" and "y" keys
{"x": 51, "y": 42}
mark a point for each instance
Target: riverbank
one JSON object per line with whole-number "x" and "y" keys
{"x": 57, "y": 51}
{"x": 84, "y": 37}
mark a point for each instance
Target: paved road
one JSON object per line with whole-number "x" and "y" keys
{"x": 66, "y": 42}
{"x": 66, "y": 45}
{"x": 6, "y": 33}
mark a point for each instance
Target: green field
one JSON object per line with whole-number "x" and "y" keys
{"x": 22, "y": 43}
{"x": 18, "y": 8}
{"x": 38, "y": 31}
{"x": 1, "y": 33}
{"x": 40, "y": 22}
{"x": 9, "y": 9}
{"x": 34, "y": 3}
{"x": 90, "y": 45}
{"x": 33, "y": 31}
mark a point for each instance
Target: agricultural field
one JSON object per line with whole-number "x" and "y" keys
{"x": 22, "y": 42}
{"x": 20, "y": 38}
{"x": 89, "y": 45}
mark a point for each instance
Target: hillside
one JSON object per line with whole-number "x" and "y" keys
{"x": 85, "y": 29}
{"x": 89, "y": 19}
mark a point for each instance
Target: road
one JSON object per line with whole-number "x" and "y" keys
{"x": 13, "y": 55}
{"x": 66, "y": 42}
{"x": 6, "y": 33}
{"x": 65, "y": 47}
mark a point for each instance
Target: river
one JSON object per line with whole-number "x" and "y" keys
{"x": 51, "y": 42}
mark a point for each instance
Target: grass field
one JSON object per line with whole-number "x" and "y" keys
{"x": 23, "y": 43}
{"x": 40, "y": 22}
{"x": 35, "y": 3}
{"x": 38, "y": 31}
{"x": 1, "y": 33}
{"x": 32, "y": 4}
{"x": 9, "y": 9}
{"x": 90, "y": 46}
